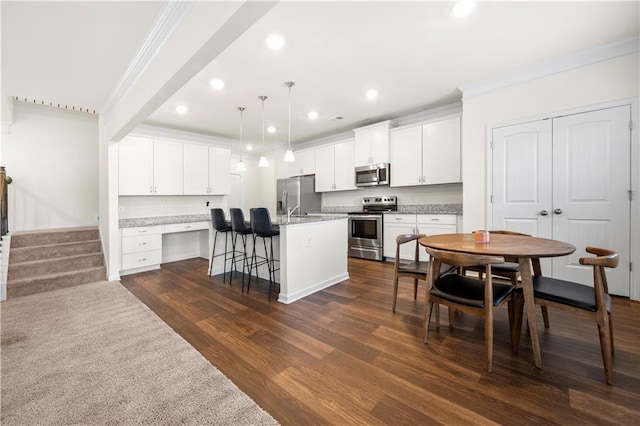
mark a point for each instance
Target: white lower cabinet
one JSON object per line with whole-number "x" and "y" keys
{"x": 428, "y": 224}
{"x": 141, "y": 247}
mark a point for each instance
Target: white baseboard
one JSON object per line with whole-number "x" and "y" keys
{"x": 290, "y": 298}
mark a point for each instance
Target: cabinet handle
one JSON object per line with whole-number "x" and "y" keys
{"x": 155, "y": 189}
{"x": 398, "y": 218}
{"x": 142, "y": 231}
{"x": 151, "y": 189}
{"x": 544, "y": 213}
{"x": 142, "y": 244}
{"x": 142, "y": 260}
{"x": 435, "y": 219}
{"x": 557, "y": 211}
{"x": 187, "y": 227}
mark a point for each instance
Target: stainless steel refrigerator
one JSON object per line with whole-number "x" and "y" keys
{"x": 298, "y": 191}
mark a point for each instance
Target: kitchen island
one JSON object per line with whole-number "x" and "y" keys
{"x": 312, "y": 251}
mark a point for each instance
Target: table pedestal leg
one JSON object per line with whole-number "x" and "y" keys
{"x": 529, "y": 306}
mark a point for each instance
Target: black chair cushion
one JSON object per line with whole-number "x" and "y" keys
{"x": 508, "y": 267}
{"x": 567, "y": 293}
{"x": 468, "y": 291}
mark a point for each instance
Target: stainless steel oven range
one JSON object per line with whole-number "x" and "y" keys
{"x": 365, "y": 227}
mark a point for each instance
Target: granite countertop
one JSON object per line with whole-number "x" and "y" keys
{"x": 162, "y": 220}
{"x": 189, "y": 218}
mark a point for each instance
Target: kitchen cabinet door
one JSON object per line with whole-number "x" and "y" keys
{"x": 392, "y": 230}
{"x": 135, "y": 166}
{"x": 325, "y": 177}
{"x": 219, "y": 171}
{"x": 344, "y": 166}
{"x": 167, "y": 167}
{"x": 406, "y": 156}
{"x": 372, "y": 144}
{"x": 196, "y": 169}
{"x": 305, "y": 163}
{"x": 441, "y": 152}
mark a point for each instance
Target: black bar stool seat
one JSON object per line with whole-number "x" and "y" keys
{"x": 263, "y": 228}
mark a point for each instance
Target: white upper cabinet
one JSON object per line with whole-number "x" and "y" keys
{"x": 426, "y": 154}
{"x": 345, "y": 176}
{"x": 149, "y": 167}
{"x": 372, "y": 144}
{"x": 167, "y": 167}
{"x": 207, "y": 170}
{"x": 135, "y": 166}
{"x": 196, "y": 166}
{"x": 406, "y": 156}
{"x": 219, "y": 171}
{"x": 305, "y": 164}
{"x": 441, "y": 151}
{"x": 335, "y": 167}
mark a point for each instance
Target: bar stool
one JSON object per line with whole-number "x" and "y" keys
{"x": 263, "y": 228}
{"x": 221, "y": 226}
{"x": 239, "y": 227}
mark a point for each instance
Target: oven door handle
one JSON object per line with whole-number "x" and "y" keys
{"x": 373, "y": 216}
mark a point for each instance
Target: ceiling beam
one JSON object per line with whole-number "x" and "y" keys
{"x": 157, "y": 83}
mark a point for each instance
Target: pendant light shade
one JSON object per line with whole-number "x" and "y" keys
{"x": 263, "y": 159}
{"x": 288, "y": 155}
{"x": 241, "y": 167}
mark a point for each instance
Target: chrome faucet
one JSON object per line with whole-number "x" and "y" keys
{"x": 290, "y": 212}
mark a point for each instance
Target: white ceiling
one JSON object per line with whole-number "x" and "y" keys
{"x": 415, "y": 53}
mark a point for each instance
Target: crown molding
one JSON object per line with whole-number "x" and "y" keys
{"x": 170, "y": 17}
{"x": 587, "y": 57}
{"x": 182, "y": 135}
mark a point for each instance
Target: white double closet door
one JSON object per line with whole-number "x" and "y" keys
{"x": 568, "y": 178}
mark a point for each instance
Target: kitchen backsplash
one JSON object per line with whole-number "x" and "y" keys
{"x": 168, "y": 205}
{"x": 407, "y": 196}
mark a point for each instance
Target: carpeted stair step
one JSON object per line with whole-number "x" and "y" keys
{"x": 33, "y": 269}
{"x": 54, "y": 251}
{"x": 53, "y": 236}
{"x": 50, "y": 282}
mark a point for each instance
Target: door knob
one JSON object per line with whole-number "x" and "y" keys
{"x": 557, "y": 211}
{"x": 543, "y": 212}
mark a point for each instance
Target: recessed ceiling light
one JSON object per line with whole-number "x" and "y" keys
{"x": 271, "y": 129}
{"x": 371, "y": 94}
{"x": 181, "y": 109}
{"x": 312, "y": 115}
{"x": 275, "y": 42}
{"x": 216, "y": 83}
{"x": 463, "y": 8}
{"x": 249, "y": 147}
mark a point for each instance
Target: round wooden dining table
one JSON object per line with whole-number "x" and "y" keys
{"x": 524, "y": 249}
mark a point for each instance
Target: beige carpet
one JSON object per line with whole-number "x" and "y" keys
{"x": 95, "y": 354}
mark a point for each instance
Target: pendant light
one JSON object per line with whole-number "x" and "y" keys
{"x": 263, "y": 159}
{"x": 241, "y": 167}
{"x": 288, "y": 155}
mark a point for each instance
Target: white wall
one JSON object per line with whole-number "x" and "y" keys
{"x": 589, "y": 85}
{"x": 52, "y": 156}
{"x": 168, "y": 205}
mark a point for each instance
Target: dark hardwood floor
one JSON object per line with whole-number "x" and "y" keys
{"x": 341, "y": 356}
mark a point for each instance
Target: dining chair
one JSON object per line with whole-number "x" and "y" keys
{"x": 593, "y": 302}
{"x": 415, "y": 269}
{"x": 509, "y": 270}
{"x": 467, "y": 294}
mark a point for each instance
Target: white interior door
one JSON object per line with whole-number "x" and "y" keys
{"x": 522, "y": 178}
{"x": 591, "y": 206}
{"x": 568, "y": 179}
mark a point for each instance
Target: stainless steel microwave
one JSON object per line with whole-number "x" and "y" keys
{"x": 373, "y": 175}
